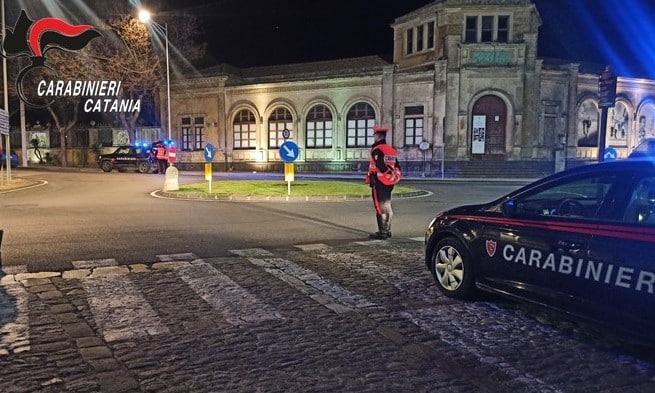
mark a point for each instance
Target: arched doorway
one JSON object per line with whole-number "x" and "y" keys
{"x": 489, "y": 121}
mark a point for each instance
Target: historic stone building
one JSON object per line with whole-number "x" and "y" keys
{"x": 465, "y": 94}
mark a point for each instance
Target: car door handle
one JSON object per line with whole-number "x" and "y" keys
{"x": 569, "y": 246}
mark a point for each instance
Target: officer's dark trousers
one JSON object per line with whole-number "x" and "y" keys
{"x": 161, "y": 166}
{"x": 382, "y": 202}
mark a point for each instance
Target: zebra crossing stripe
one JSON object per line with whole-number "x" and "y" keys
{"x": 120, "y": 310}
{"x": 227, "y": 297}
{"x": 312, "y": 247}
{"x": 417, "y": 288}
{"x": 93, "y": 263}
{"x": 322, "y": 291}
{"x": 433, "y": 319}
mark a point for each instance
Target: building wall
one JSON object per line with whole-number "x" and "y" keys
{"x": 544, "y": 103}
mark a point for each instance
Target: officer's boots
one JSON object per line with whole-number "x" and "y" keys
{"x": 387, "y": 224}
{"x": 382, "y": 232}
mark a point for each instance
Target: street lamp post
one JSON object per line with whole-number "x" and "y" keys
{"x": 145, "y": 17}
{"x": 6, "y": 97}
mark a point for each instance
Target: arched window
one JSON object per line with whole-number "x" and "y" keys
{"x": 361, "y": 117}
{"x": 244, "y": 130}
{"x": 618, "y": 125}
{"x": 279, "y": 119}
{"x": 587, "y": 123}
{"x": 645, "y": 122}
{"x": 319, "y": 127}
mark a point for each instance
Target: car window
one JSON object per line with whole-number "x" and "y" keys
{"x": 123, "y": 150}
{"x": 579, "y": 198}
{"x": 641, "y": 206}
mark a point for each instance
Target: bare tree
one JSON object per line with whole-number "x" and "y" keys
{"x": 124, "y": 53}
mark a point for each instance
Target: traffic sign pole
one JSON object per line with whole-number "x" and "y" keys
{"x": 288, "y": 175}
{"x": 208, "y": 175}
{"x": 208, "y": 153}
{"x": 4, "y": 130}
{"x": 607, "y": 96}
{"x": 289, "y": 152}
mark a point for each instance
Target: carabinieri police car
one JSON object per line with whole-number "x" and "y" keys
{"x": 580, "y": 241}
{"x": 138, "y": 157}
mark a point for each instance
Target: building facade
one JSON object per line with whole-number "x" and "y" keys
{"x": 465, "y": 94}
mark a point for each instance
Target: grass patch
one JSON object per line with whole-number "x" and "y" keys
{"x": 279, "y": 188}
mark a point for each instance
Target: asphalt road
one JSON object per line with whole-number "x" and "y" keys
{"x": 95, "y": 215}
{"x": 108, "y": 289}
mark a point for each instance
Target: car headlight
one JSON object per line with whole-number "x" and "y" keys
{"x": 430, "y": 229}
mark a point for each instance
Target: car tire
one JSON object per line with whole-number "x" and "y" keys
{"x": 144, "y": 167}
{"x": 106, "y": 166}
{"x": 452, "y": 268}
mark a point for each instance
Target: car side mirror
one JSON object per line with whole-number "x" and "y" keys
{"x": 509, "y": 207}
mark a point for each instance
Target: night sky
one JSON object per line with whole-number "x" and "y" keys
{"x": 252, "y": 33}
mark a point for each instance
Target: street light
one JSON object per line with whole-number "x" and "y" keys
{"x": 145, "y": 17}
{"x": 6, "y": 97}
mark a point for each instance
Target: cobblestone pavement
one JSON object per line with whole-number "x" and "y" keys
{"x": 306, "y": 318}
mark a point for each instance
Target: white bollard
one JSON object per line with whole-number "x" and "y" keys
{"x": 170, "y": 182}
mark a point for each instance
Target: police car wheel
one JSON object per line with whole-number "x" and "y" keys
{"x": 106, "y": 166}
{"x": 144, "y": 167}
{"x": 452, "y": 270}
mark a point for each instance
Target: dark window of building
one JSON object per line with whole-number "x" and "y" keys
{"x": 319, "y": 127}
{"x": 409, "y": 41}
{"x": 193, "y": 135}
{"x": 244, "y": 130}
{"x": 419, "y": 38}
{"x": 187, "y": 136}
{"x": 79, "y": 138}
{"x": 413, "y": 125}
{"x": 471, "y": 34}
{"x": 503, "y": 28}
{"x": 487, "y": 32}
{"x": 360, "y": 119}
{"x": 430, "y": 43}
{"x": 198, "y": 133}
{"x": 105, "y": 137}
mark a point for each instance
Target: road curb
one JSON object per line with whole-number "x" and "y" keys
{"x": 284, "y": 198}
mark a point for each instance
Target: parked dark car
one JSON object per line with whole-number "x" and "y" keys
{"x": 581, "y": 241}
{"x": 128, "y": 157}
{"x": 13, "y": 157}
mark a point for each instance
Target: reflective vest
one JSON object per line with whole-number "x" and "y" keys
{"x": 392, "y": 174}
{"x": 161, "y": 153}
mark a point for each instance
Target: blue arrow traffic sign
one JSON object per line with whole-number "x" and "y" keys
{"x": 610, "y": 154}
{"x": 209, "y": 152}
{"x": 289, "y": 151}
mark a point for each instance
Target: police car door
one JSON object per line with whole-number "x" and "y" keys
{"x": 123, "y": 157}
{"x": 620, "y": 269}
{"x": 548, "y": 230}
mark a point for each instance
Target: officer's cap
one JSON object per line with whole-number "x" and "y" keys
{"x": 380, "y": 130}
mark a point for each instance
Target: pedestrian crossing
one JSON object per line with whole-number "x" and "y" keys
{"x": 358, "y": 278}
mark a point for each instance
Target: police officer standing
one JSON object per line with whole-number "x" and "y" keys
{"x": 162, "y": 158}
{"x": 383, "y": 174}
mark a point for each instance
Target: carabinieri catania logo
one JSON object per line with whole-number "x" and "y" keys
{"x": 35, "y": 38}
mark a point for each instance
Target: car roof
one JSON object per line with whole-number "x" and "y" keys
{"x": 642, "y": 164}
